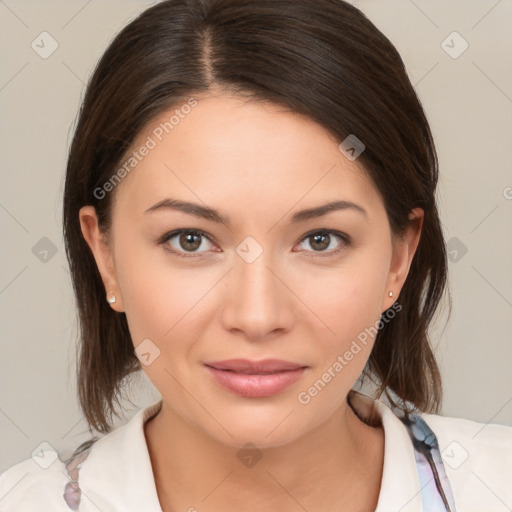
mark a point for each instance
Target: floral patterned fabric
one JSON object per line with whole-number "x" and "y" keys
{"x": 436, "y": 492}
{"x": 72, "y": 492}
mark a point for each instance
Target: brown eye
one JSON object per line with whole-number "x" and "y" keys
{"x": 190, "y": 241}
{"x": 320, "y": 242}
{"x": 324, "y": 243}
{"x": 185, "y": 242}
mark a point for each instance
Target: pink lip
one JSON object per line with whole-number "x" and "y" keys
{"x": 255, "y": 378}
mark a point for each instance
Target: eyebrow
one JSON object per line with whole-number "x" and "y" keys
{"x": 215, "y": 216}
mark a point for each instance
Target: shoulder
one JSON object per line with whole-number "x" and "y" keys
{"x": 477, "y": 459}
{"x": 40, "y": 482}
{"x": 111, "y": 471}
{"x": 28, "y": 486}
{"x": 472, "y": 443}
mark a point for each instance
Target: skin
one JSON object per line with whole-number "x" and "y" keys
{"x": 257, "y": 164}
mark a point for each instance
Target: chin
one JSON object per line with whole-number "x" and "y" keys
{"x": 263, "y": 426}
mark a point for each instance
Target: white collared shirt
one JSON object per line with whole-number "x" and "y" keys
{"x": 117, "y": 476}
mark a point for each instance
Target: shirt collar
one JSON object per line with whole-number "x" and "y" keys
{"x": 118, "y": 472}
{"x": 400, "y": 487}
{"x": 119, "y": 467}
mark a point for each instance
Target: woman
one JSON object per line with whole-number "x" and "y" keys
{"x": 250, "y": 218}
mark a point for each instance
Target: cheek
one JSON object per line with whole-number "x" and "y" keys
{"x": 145, "y": 290}
{"x": 159, "y": 296}
{"x": 348, "y": 302}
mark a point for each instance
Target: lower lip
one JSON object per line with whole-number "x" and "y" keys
{"x": 256, "y": 385}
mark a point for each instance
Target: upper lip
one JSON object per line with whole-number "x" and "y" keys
{"x": 247, "y": 366}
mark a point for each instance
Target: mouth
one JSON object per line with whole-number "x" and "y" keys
{"x": 264, "y": 367}
{"x": 255, "y": 379}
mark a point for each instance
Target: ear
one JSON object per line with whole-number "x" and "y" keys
{"x": 404, "y": 249}
{"x": 102, "y": 252}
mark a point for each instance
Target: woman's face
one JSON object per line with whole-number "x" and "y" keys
{"x": 268, "y": 282}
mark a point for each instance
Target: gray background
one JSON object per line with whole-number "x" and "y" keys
{"x": 468, "y": 101}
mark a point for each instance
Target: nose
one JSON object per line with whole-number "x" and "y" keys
{"x": 258, "y": 302}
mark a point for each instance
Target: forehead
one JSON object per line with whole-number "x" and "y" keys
{"x": 228, "y": 150}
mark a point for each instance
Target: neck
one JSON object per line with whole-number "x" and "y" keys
{"x": 337, "y": 465}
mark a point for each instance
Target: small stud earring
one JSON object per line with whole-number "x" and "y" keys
{"x": 390, "y": 294}
{"x": 111, "y": 299}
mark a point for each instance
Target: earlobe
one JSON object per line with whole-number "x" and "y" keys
{"x": 102, "y": 252}
{"x": 404, "y": 250}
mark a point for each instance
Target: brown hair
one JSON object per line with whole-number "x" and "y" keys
{"x": 321, "y": 58}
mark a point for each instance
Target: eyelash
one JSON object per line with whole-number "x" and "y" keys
{"x": 345, "y": 239}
